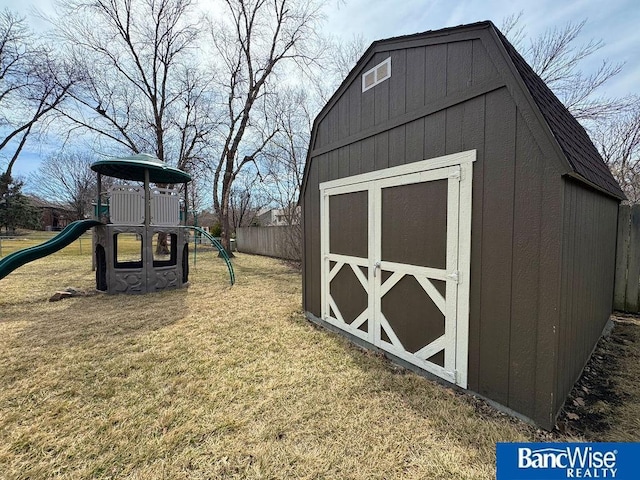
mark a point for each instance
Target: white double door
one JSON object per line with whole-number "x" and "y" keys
{"x": 395, "y": 250}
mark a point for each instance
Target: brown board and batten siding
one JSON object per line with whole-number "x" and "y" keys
{"x": 456, "y": 90}
{"x": 587, "y": 278}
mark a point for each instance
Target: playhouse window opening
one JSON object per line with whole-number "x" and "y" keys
{"x": 164, "y": 249}
{"x": 127, "y": 250}
{"x": 376, "y": 75}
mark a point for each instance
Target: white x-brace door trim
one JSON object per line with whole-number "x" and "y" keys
{"x": 458, "y": 169}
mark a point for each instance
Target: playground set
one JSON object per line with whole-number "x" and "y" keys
{"x": 148, "y": 217}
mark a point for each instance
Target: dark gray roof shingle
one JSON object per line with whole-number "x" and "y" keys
{"x": 574, "y": 141}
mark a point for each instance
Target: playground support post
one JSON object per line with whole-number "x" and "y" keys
{"x": 99, "y": 199}
{"x": 195, "y": 240}
{"x": 186, "y": 205}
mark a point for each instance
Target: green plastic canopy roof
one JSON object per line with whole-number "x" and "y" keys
{"x": 132, "y": 168}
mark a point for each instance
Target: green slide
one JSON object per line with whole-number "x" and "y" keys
{"x": 71, "y": 232}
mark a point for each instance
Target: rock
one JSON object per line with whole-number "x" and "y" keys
{"x": 59, "y": 296}
{"x": 75, "y": 292}
{"x": 71, "y": 292}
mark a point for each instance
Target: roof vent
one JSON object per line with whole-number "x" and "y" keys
{"x": 376, "y": 75}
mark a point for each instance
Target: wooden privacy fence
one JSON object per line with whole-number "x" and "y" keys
{"x": 280, "y": 242}
{"x": 626, "y": 295}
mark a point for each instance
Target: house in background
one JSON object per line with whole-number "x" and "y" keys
{"x": 459, "y": 219}
{"x": 275, "y": 217}
{"x": 53, "y": 216}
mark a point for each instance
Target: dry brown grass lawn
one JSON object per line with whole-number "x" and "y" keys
{"x": 215, "y": 382}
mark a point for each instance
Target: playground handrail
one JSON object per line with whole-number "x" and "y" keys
{"x": 221, "y": 249}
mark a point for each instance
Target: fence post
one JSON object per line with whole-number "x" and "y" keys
{"x": 622, "y": 257}
{"x": 633, "y": 269}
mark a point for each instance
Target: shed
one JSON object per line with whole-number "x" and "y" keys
{"x": 458, "y": 218}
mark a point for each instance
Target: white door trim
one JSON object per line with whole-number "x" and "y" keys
{"x": 458, "y": 169}
{"x": 461, "y": 158}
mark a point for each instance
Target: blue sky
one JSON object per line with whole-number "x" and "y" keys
{"x": 616, "y": 22}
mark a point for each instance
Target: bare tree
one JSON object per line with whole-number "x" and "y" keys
{"x": 557, "y": 57}
{"x": 614, "y": 123}
{"x": 618, "y": 140}
{"x": 287, "y": 151}
{"x": 286, "y": 155}
{"x": 260, "y": 39}
{"x": 142, "y": 89}
{"x": 247, "y": 199}
{"x": 32, "y": 83}
{"x": 67, "y": 178}
{"x": 195, "y": 198}
{"x": 325, "y": 75}
{"x": 282, "y": 166}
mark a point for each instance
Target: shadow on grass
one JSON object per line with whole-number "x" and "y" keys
{"x": 86, "y": 329}
{"x": 83, "y": 321}
{"x": 443, "y": 415}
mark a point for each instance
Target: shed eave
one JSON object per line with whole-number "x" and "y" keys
{"x": 556, "y": 143}
{"x": 576, "y": 176}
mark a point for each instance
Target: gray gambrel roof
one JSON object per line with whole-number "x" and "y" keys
{"x": 570, "y": 135}
{"x": 576, "y": 146}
